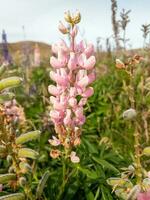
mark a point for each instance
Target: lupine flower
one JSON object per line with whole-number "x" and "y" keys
{"x": 74, "y": 158}
{"x": 73, "y": 72}
{"x": 5, "y": 51}
{"x": 14, "y": 112}
{"x": 55, "y": 153}
{"x": 144, "y": 195}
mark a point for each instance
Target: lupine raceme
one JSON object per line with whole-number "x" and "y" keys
{"x": 73, "y": 72}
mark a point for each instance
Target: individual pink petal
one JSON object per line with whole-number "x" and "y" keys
{"x": 55, "y": 48}
{"x": 81, "y": 59}
{"x": 53, "y": 90}
{"x": 79, "y": 112}
{"x": 74, "y": 158}
{"x": 59, "y": 79}
{"x": 58, "y": 106}
{"x": 81, "y": 73}
{"x": 63, "y": 99}
{"x": 67, "y": 119}
{"x": 80, "y": 121}
{"x": 55, "y": 62}
{"x": 72, "y": 102}
{"x": 88, "y": 92}
{"x": 53, "y": 99}
{"x": 89, "y": 50}
{"x": 80, "y": 47}
{"x": 62, "y": 44}
{"x": 73, "y": 91}
{"x": 83, "y": 82}
{"x": 89, "y": 63}
{"x": 54, "y": 141}
{"x": 144, "y": 196}
{"x": 91, "y": 77}
{"x": 54, "y": 114}
{"x": 62, "y": 57}
{"x": 82, "y": 102}
{"x": 53, "y": 76}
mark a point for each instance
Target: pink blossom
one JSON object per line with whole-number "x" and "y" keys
{"x": 73, "y": 72}
{"x": 144, "y": 195}
{"x": 74, "y": 158}
{"x": 54, "y": 141}
{"x": 62, "y": 28}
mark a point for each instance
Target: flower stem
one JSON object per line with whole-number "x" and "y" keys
{"x": 138, "y": 166}
{"x": 64, "y": 179}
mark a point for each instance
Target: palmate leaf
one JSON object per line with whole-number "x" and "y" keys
{"x": 10, "y": 82}
{"x": 5, "y": 178}
{"x": 42, "y": 184}
{"x": 16, "y": 196}
{"x": 27, "y": 153}
{"x": 33, "y": 135}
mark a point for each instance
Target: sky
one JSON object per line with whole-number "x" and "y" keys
{"x": 40, "y": 19}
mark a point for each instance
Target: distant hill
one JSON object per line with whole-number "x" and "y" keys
{"x": 16, "y": 49}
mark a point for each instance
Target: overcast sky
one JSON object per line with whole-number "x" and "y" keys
{"x": 41, "y": 17}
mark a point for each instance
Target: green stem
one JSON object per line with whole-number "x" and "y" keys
{"x": 64, "y": 180}
{"x": 138, "y": 166}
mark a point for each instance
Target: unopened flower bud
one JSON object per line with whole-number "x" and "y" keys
{"x": 9, "y": 159}
{"x": 120, "y": 64}
{"x": 67, "y": 17}
{"x": 55, "y": 153}
{"x": 129, "y": 114}
{"x": 11, "y": 169}
{"x": 77, "y": 17}
{"x": 62, "y": 28}
{"x": 74, "y": 158}
{"x": 22, "y": 181}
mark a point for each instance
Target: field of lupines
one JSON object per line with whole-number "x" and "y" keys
{"x": 77, "y": 128}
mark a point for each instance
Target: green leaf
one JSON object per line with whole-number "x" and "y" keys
{"x": 16, "y": 196}
{"x": 10, "y": 82}
{"x": 33, "y": 135}
{"x": 146, "y": 151}
{"x": 2, "y": 69}
{"x": 91, "y": 147}
{"x": 5, "y": 178}
{"x": 89, "y": 196}
{"x": 27, "y": 153}
{"x": 125, "y": 183}
{"x": 115, "y": 181}
{"x": 105, "y": 164}
{"x": 6, "y": 97}
{"x": 89, "y": 173}
{"x": 41, "y": 184}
